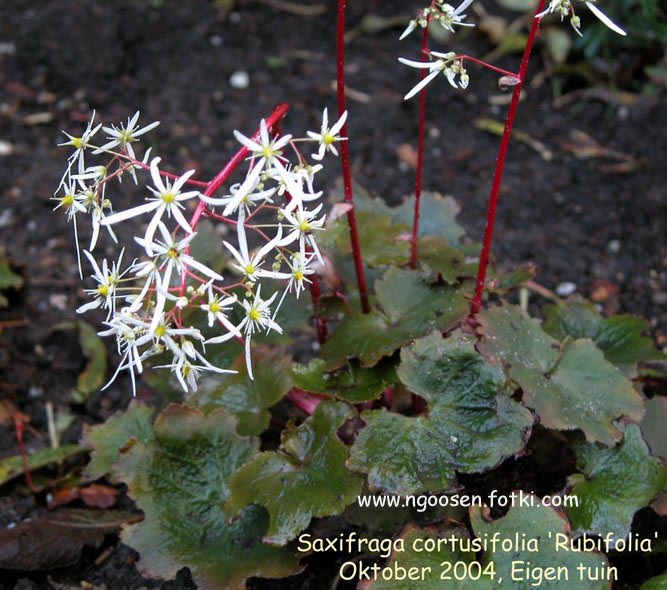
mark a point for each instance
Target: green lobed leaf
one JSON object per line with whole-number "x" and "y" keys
{"x": 613, "y": 484}
{"x": 382, "y": 241}
{"x": 305, "y": 478}
{"x": 407, "y": 309}
{"x": 11, "y": 467}
{"x": 249, "y": 399}
{"x": 619, "y": 337}
{"x": 541, "y": 523}
{"x": 437, "y": 216}
{"x": 437, "y": 212}
{"x": 656, "y": 583}
{"x": 570, "y": 385}
{"x": 473, "y": 424}
{"x": 94, "y": 374}
{"x": 351, "y": 383}
{"x": 442, "y": 262}
{"x": 180, "y": 479}
{"x": 108, "y": 439}
{"x": 429, "y": 564}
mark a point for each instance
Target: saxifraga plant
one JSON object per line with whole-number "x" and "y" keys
{"x": 416, "y": 389}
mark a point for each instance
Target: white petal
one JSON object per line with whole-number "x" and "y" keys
{"x": 605, "y": 19}
{"x": 421, "y": 85}
{"x": 129, "y": 213}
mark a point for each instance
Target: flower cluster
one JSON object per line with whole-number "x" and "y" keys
{"x": 441, "y": 12}
{"x": 565, "y": 8}
{"x": 449, "y": 64}
{"x": 169, "y": 302}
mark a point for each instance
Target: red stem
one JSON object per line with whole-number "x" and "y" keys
{"x": 500, "y": 167}
{"x": 420, "y": 155}
{"x": 220, "y": 178}
{"x": 488, "y": 66}
{"x": 19, "y": 426}
{"x": 345, "y": 159}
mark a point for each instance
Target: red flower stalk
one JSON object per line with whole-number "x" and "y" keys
{"x": 420, "y": 155}
{"x": 500, "y": 167}
{"x": 345, "y": 159}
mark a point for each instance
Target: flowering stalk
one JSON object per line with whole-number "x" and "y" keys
{"x": 345, "y": 159}
{"x": 420, "y": 154}
{"x": 500, "y": 165}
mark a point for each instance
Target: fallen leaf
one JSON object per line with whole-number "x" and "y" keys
{"x": 408, "y": 154}
{"x": 57, "y": 539}
{"x": 12, "y": 467}
{"x": 498, "y": 128}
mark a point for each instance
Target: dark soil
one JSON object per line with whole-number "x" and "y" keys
{"x": 575, "y": 219}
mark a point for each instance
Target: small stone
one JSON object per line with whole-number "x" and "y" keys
{"x": 659, "y": 298}
{"x": 6, "y": 148}
{"x": 566, "y": 289}
{"x": 239, "y": 80}
{"x": 35, "y": 392}
{"x": 614, "y": 246}
{"x": 58, "y": 301}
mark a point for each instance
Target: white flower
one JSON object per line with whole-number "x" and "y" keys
{"x": 184, "y": 352}
{"x": 173, "y": 256}
{"x": 250, "y": 266}
{"x": 449, "y": 16}
{"x": 125, "y": 135}
{"x": 242, "y": 195}
{"x": 303, "y": 223}
{"x": 167, "y": 198}
{"x": 299, "y": 270}
{"x": 291, "y": 182}
{"x": 79, "y": 144}
{"x": 107, "y": 281}
{"x": 215, "y": 309}
{"x": 71, "y": 204}
{"x": 267, "y": 149}
{"x": 328, "y": 136}
{"x": 445, "y": 14}
{"x": 257, "y": 316}
{"x": 447, "y": 63}
{"x": 188, "y": 373}
{"x": 128, "y": 332}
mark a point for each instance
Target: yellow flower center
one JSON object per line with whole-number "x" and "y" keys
{"x": 126, "y": 137}
{"x": 173, "y": 253}
{"x": 103, "y": 290}
{"x": 268, "y": 152}
{"x": 328, "y": 139}
{"x": 254, "y": 314}
{"x": 169, "y": 197}
{"x": 214, "y": 307}
{"x": 304, "y": 226}
{"x": 298, "y": 275}
{"x": 160, "y": 331}
{"x": 249, "y": 270}
{"x": 67, "y": 200}
{"x": 78, "y": 143}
